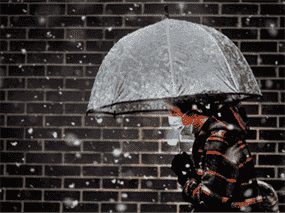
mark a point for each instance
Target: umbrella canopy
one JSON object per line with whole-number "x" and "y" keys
{"x": 170, "y": 62}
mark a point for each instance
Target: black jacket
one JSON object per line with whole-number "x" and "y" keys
{"x": 222, "y": 177}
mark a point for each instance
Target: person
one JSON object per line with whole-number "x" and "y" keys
{"x": 222, "y": 177}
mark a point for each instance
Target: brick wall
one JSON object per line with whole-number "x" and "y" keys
{"x": 53, "y": 158}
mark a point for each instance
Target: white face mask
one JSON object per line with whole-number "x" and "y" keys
{"x": 176, "y": 122}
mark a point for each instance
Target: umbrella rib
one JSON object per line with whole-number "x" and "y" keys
{"x": 170, "y": 62}
{"x": 213, "y": 39}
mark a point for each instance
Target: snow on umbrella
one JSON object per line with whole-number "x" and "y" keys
{"x": 170, "y": 62}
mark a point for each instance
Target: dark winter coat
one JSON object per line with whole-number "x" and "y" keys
{"x": 222, "y": 177}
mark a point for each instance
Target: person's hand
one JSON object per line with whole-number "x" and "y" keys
{"x": 182, "y": 165}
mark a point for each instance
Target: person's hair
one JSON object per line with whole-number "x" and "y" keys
{"x": 229, "y": 111}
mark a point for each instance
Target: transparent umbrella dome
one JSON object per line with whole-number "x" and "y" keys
{"x": 170, "y": 62}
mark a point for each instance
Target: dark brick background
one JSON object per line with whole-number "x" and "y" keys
{"x": 54, "y": 159}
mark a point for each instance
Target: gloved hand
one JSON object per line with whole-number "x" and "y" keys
{"x": 183, "y": 166}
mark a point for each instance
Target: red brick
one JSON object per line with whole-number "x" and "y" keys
{"x": 259, "y": 47}
{"x": 63, "y": 121}
{"x": 107, "y": 207}
{"x": 79, "y": 158}
{"x": 26, "y": 21}
{"x": 273, "y": 109}
{"x": 84, "y": 133}
{"x": 100, "y": 196}
{"x": 122, "y": 159}
{"x": 83, "y": 207}
{"x": 173, "y": 8}
{"x": 12, "y": 133}
{"x": 2, "y": 95}
{"x": 13, "y": 33}
{"x": 120, "y": 134}
{"x": 66, "y": 46}
{"x": 85, "y": 33}
{"x": 259, "y": 122}
{"x": 61, "y": 96}
{"x": 43, "y": 182}
{"x": 13, "y": 83}
{"x": 272, "y": 134}
{"x": 158, "y": 207}
{"x": 24, "y": 170}
{"x": 213, "y": 21}
{"x": 272, "y": 9}
{"x": 141, "y": 21}
{"x": 3, "y": 45}
{"x": 141, "y": 196}
{"x": 84, "y": 9}
{"x": 4, "y": 21}
{"x": 23, "y": 195}
{"x": 120, "y": 183}
{"x": 24, "y": 121}
{"x": 10, "y": 207}
{"x": 13, "y": 9}
{"x": 47, "y": 9}
{"x": 153, "y": 134}
{"x": 25, "y": 95}
{"x": 12, "y": 58}
{"x": 281, "y": 147}
{"x": 171, "y": 197}
{"x": 101, "y": 171}
{"x": 41, "y": 207}
{"x": 102, "y": 121}
{"x": 239, "y": 9}
{"x": 272, "y": 160}
{"x": 262, "y": 147}
{"x": 12, "y": 107}
{"x": 60, "y": 146}
{"x": 257, "y": 22}
{"x": 11, "y": 182}
{"x": 77, "y": 83}
{"x": 140, "y": 146}
{"x": 45, "y": 58}
{"x": 46, "y": 33}
{"x": 117, "y": 33}
{"x": 84, "y": 58}
{"x": 273, "y": 59}
{"x": 99, "y": 45}
{"x": 42, "y": 133}
{"x": 240, "y": 33}
{"x": 45, "y": 108}
{"x": 123, "y": 9}
{"x": 63, "y": 21}
{"x": 131, "y": 121}
{"x": 139, "y": 171}
{"x": 65, "y": 71}
{"x": 60, "y": 195}
{"x": 86, "y": 183}
{"x": 167, "y": 172}
{"x": 62, "y": 170}
{"x": 26, "y": 70}
{"x": 50, "y": 158}
{"x": 265, "y": 172}
{"x": 157, "y": 159}
{"x": 251, "y": 109}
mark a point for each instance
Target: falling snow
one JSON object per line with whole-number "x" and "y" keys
{"x": 14, "y": 144}
{"x": 117, "y": 152}
{"x": 30, "y": 130}
{"x": 72, "y": 185}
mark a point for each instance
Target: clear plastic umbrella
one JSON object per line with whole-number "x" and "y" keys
{"x": 171, "y": 62}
